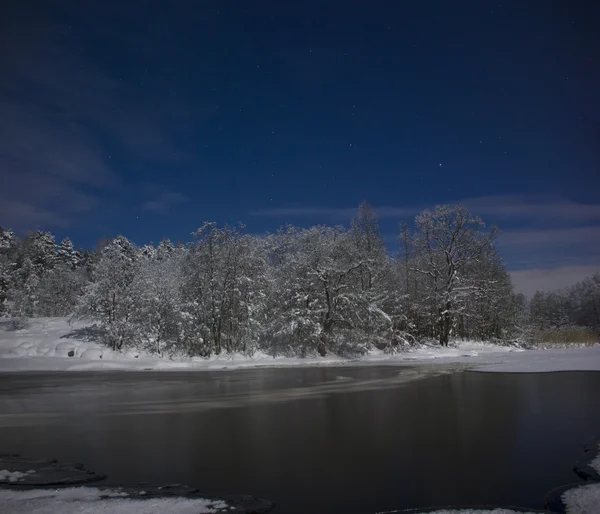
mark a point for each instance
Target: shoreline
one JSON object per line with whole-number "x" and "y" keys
{"x": 46, "y": 345}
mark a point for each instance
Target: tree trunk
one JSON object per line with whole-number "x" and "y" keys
{"x": 444, "y": 336}
{"x": 216, "y": 334}
{"x": 326, "y": 337}
{"x": 445, "y": 325}
{"x": 322, "y": 348}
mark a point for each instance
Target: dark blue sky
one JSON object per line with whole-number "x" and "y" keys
{"x": 148, "y": 118}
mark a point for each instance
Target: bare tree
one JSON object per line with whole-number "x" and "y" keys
{"x": 450, "y": 240}
{"x": 364, "y": 231}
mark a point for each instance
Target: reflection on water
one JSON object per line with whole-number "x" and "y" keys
{"x": 353, "y": 440}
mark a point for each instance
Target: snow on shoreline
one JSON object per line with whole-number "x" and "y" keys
{"x": 42, "y": 347}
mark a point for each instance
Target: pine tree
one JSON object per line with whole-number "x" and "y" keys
{"x": 67, "y": 254}
{"x": 148, "y": 252}
{"x": 40, "y": 248}
{"x": 8, "y": 243}
{"x": 7, "y": 239}
{"x": 164, "y": 250}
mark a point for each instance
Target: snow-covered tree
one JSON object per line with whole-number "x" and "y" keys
{"x": 298, "y": 291}
{"x": 109, "y": 298}
{"x": 164, "y": 250}
{"x": 7, "y": 239}
{"x": 40, "y": 248}
{"x": 448, "y": 242}
{"x": 379, "y": 320}
{"x": 59, "y": 290}
{"x": 369, "y": 245}
{"x": 30, "y": 261}
{"x": 67, "y": 254}
{"x": 157, "y": 308}
{"x": 578, "y": 305}
{"x": 8, "y": 243}
{"x": 318, "y": 289}
{"x": 587, "y": 302}
{"x": 550, "y": 310}
{"x": 218, "y": 290}
{"x": 148, "y": 252}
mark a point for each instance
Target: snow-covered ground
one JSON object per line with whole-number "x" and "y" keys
{"x": 42, "y": 346}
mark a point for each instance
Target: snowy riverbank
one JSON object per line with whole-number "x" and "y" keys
{"x": 43, "y": 346}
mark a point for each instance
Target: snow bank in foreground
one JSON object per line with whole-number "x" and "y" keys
{"x": 42, "y": 346}
{"x": 88, "y": 500}
{"x": 595, "y": 464}
{"x": 583, "y": 500}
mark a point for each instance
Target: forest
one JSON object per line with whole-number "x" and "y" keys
{"x": 299, "y": 291}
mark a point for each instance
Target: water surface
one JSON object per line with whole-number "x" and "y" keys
{"x": 327, "y": 440}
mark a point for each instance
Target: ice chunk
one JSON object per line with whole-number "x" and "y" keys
{"x": 13, "y": 476}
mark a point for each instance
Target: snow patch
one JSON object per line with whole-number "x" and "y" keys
{"x": 582, "y": 500}
{"x": 89, "y": 500}
{"x": 13, "y": 476}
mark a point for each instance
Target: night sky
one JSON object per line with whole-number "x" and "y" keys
{"x": 148, "y": 118}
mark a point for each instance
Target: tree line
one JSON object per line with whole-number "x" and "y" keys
{"x": 298, "y": 291}
{"x": 575, "y": 306}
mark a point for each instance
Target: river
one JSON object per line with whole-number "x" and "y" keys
{"x": 322, "y": 439}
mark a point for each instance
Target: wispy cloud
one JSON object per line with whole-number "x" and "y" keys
{"x": 546, "y": 233}
{"x": 51, "y": 170}
{"x": 61, "y": 111}
{"x": 559, "y": 246}
{"x": 500, "y": 207}
{"x": 551, "y": 237}
{"x": 333, "y": 213}
{"x": 164, "y": 202}
{"x": 306, "y": 212}
{"x": 531, "y": 280}
{"x": 534, "y": 208}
